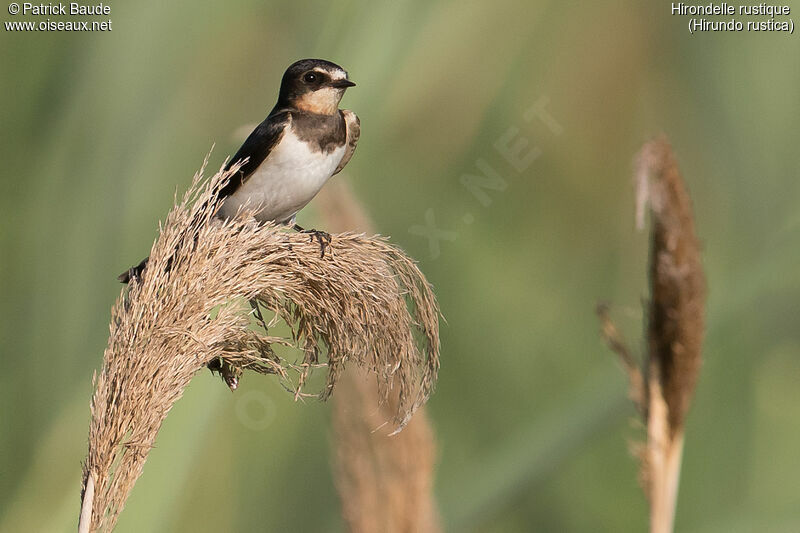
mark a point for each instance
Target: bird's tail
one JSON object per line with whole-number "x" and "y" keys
{"x": 134, "y": 272}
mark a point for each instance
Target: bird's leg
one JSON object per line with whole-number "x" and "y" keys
{"x": 322, "y": 237}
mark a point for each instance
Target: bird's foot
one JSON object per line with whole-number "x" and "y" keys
{"x": 322, "y": 237}
{"x": 230, "y": 374}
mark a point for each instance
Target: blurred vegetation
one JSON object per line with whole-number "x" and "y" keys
{"x": 101, "y": 129}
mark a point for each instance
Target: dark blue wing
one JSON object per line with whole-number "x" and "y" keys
{"x": 256, "y": 149}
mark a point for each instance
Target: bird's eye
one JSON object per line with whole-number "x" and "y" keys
{"x": 310, "y": 77}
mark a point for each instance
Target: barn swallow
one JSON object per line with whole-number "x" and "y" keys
{"x": 304, "y": 141}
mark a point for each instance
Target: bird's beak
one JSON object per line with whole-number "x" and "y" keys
{"x": 342, "y": 84}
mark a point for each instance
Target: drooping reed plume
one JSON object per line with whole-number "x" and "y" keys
{"x": 364, "y": 302}
{"x": 663, "y": 387}
{"x": 385, "y": 482}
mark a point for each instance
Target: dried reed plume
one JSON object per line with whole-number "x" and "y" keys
{"x": 385, "y": 483}
{"x": 364, "y": 302}
{"x": 663, "y": 388}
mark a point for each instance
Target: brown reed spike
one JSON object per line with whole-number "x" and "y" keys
{"x": 663, "y": 389}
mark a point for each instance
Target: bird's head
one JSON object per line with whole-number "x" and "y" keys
{"x": 314, "y": 86}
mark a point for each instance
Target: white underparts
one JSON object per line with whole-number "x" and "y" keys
{"x": 287, "y": 180}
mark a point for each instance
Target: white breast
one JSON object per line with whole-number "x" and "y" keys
{"x": 290, "y": 176}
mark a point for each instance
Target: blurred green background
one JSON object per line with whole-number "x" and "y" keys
{"x": 99, "y": 130}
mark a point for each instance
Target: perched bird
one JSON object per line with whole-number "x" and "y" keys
{"x": 304, "y": 141}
